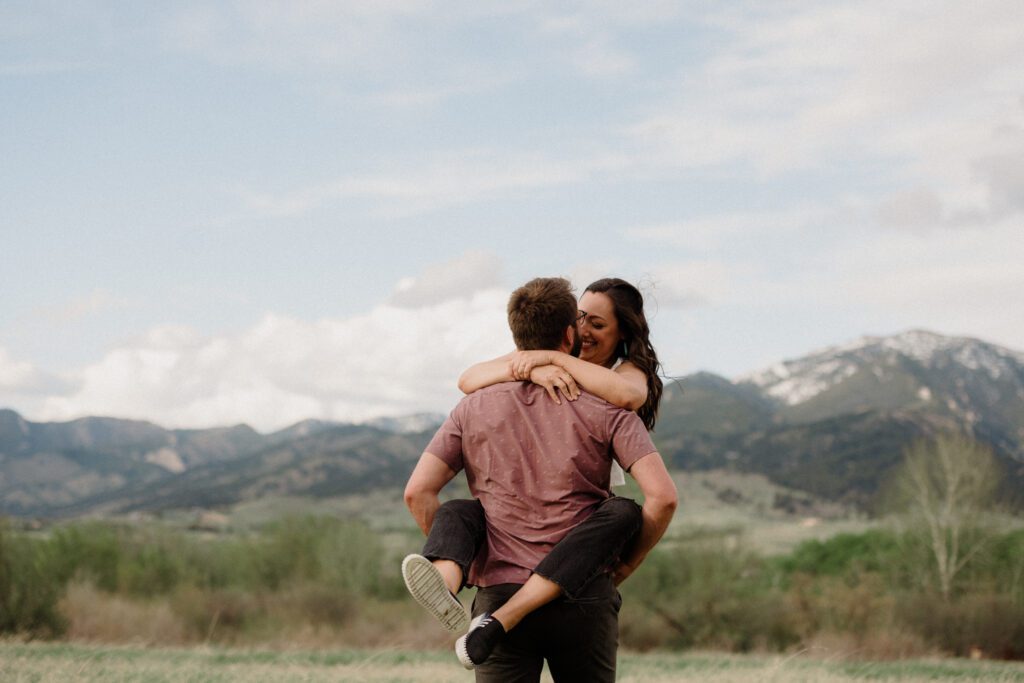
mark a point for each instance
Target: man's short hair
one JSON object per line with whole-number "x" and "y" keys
{"x": 539, "y": 312}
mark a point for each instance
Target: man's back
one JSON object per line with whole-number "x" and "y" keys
{"x": 537, "y": 467}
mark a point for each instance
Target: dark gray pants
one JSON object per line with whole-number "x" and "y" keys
{"x": 579, "y": 637}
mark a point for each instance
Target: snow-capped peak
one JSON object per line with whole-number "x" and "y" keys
{"x": 798, "y": 380}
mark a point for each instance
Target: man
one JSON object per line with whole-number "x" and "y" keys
{"x": 539, "y": 469}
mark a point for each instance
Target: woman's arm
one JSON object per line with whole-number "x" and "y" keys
{"x": 625, "y": 387}
{"x": 541, "y": 372}
{"x": 486, "y": 373}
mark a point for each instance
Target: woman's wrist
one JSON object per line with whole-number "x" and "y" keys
{"x": 557, "y": 358}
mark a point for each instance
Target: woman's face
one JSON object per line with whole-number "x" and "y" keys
{"x": 599, "y": 330}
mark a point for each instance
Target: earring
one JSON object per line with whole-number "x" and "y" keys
{"x": 625, "y": 349}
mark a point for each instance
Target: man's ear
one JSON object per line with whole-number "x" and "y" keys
{"x": 568, "y": 339}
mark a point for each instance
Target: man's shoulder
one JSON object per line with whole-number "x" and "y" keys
{"x": 503, "y": 391}
{"x": 499, "y": 389}
{"x": 616, "y": 420}
{"x": 598, "y": 403}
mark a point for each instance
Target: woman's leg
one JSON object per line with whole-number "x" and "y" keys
{"x": 434, "y": 577}
{"x": 454, "y": 540}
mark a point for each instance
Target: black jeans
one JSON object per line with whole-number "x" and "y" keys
{"x": 577, "y": 636}
{"x": 586, "y": 552}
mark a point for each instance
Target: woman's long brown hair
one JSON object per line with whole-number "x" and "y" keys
{"x": 637, "y": 349}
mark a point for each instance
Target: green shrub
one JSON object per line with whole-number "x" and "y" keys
{"x": 343, "y": 554}
{"x": 872, "y": 551}
{"x": 222, "y": 563}
{"x": 89, "y": 551}
{"x": 29, "y": 588}
{"x": 709, "y": 595}
{"x": 987, "y": 623}
{"x": 212, "y": 615}
{"x": 151, "y": 568}
{"x": 1003, "y": 566}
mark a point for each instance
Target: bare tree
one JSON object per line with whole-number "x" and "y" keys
{"x": 946, "y": 486}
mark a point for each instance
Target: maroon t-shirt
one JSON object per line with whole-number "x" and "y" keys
{"x": 537, "y": 467}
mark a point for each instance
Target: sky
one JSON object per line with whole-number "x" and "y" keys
{"x": 263, "y": 212}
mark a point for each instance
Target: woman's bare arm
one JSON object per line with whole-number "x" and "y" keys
{"x": 625, "y": 387}
{"x": 486, "y": 373}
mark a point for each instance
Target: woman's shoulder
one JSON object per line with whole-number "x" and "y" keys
{"x": 626, "y": 366}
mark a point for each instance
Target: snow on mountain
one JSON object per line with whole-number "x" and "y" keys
{"x": 796, "y": 381}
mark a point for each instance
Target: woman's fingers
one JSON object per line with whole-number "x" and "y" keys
{"x": 550, "y": 388}
{"x": 571, "y": 387}
{"x": 567, "y": 385}
{"x": 555, "y": 381}
{"x": 520, "y": 364}
{"x": 520, "y": 368}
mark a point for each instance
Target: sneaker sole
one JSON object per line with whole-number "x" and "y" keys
{"x": 460, "y": 645}
{"x": 462, "y": 654}
{"x": 427, "y": 587}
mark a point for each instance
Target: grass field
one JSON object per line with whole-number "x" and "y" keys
{"x": 32, "y": 662}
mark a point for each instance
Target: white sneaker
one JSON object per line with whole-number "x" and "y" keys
{"x": 486, "y": 632}
{"x": 427, "y": 586}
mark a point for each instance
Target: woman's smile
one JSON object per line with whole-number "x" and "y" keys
{"x": 599, "y": 330}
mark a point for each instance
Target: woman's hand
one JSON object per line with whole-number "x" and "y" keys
{"x": 554, "y": 380}
{"x": 621, "y": 572}
{"x": 523, "y": 362}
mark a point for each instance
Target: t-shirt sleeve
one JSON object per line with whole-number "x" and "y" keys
{"x": 447, "y": 442}
{"x": 629, "y": 438}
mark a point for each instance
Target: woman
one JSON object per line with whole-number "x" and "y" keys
{"x": 616, "y": 363}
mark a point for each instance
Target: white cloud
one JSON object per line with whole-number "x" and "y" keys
{"x": 597, "y": 58}
{"x": 915, "y": 89}
{"x": 904, "y": 271}
{"x": 383, "y": 37}
{"x": 450, "y": 179}
{"x": 688, "y": 284}
{"x": 1001, "y": 171}
{"x": 287, "y": 35}
{"x": 461, "y": 277}
{"x": 422, "y": 95}
{"x": 917, "y": 209}
{"x": 24, "y": 384}
{"x": 715, "y": 231}
{"x": 591, "y": 36}
{"x": 389, "y": 361}
{"x": 587, "y": 45}
{"x": 15, "y": 374}
{"x": 583, "y": 274}
{"x": 954, "y": 281}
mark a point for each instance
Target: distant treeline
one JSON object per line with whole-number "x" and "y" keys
{"x": 871, "y": 594}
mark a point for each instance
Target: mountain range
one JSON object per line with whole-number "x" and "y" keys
{"x": 833, "y": 423}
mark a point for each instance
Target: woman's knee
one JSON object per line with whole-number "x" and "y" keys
{"x": 622, "y": 511}
{"x": 469, "y": 511}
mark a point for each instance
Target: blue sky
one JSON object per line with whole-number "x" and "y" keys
{"x": 259, "y": 211}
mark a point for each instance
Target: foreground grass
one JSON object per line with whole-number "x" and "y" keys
{"x": 22, "y": 663}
